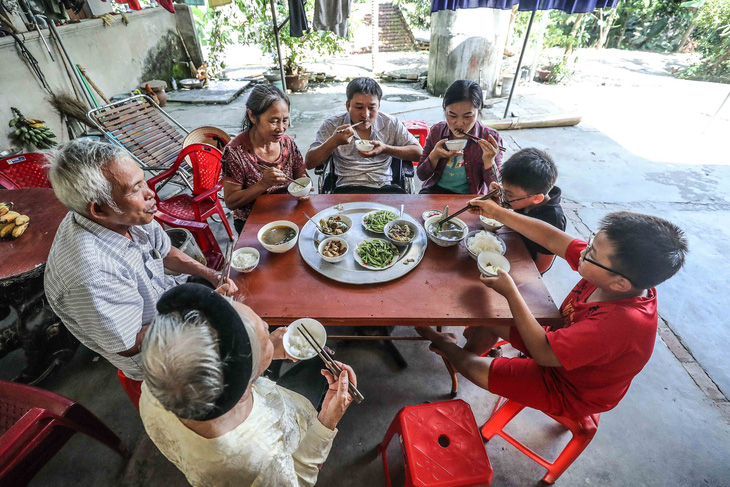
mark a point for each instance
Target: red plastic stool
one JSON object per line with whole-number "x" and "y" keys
{"x": 583, "y": 430}
{"x": 419, "y": 128}
{"x": 441, "y": 446}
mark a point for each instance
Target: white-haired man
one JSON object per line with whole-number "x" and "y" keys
{"x": 106, "y": 268}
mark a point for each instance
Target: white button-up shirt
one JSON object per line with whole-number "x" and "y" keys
{"x": 351, "y": 168}
{"x": 280, "y": 443}
{"x": 104, "y": 286}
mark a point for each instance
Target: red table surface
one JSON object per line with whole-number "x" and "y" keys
{"x": 443, "y": 290}
{"x": 25, "y": 253}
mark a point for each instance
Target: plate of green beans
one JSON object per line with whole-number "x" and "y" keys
{"x": 376, "y": 254}
{"x": 375, "y": 221}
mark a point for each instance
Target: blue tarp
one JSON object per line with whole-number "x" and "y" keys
{"x": 569, "y": 6}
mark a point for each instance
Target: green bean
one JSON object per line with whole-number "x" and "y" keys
{"x": 376, "y": 253}
{"x": 377, "y": 221}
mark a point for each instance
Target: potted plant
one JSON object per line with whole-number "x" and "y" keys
{"x": 297, "y": 78}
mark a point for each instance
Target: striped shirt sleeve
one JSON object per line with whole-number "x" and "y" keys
{"x": 110, "y": 313}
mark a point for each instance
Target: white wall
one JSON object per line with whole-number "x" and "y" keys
{"x": 116, "y": 58}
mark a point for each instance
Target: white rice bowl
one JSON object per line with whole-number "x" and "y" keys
{"x": 296, "y": 345}
{"x": 482, "y": 242}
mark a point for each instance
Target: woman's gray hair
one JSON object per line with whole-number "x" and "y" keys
{"x": 182, "y": 365}
{"x": 76, "y": 173}
{"x": 260, "y": 100}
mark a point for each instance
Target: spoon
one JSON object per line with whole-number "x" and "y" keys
{"x": 315, "y": 224}
{"x": 444, "y": 214}
{"x": 400, "y": 217}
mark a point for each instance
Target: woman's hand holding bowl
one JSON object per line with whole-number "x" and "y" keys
{"x": 441, "y": 152}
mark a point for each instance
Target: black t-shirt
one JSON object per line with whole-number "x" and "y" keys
{"x": 550, "y": 212}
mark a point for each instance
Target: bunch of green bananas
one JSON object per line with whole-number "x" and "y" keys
{"x": 32, "y": 132}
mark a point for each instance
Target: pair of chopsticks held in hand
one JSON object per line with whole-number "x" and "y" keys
{"x": 329, "y": 362}
{"x": 477, "y": 139}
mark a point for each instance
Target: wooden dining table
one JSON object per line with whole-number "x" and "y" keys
{"x": 443, "y": 290}
{"x": 31, "y": 324}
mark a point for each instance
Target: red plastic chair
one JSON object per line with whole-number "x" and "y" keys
{"x": 418, "y": 128}
{"x": 23, "y": 171}
{"x": 441, "y": 446}
{"x": 34, "y": 426}
{"x": 185, "y": 210}
{"x": 583, "y": 430}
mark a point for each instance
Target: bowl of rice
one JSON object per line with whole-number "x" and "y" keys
{"x": 490, "y": 224}
{"x": 245, "y": 259}
{"x": 490, "y": 262}
{"x": 478, "y": 241}
{"x": 295, "y": 343}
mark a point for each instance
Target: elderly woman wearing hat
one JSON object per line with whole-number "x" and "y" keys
{"x": 209, "y": 411}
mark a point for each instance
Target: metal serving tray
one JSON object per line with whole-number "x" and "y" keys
{"x": 347, "y": 270}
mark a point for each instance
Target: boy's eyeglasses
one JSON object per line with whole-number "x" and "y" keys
{"x": 520, "y": 199}
{"x": 589, "y": 247}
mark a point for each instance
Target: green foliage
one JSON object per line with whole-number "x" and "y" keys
{"x": 712, "y": 34}
{"x": 250, "y": 22}
{"x": 416, "y": 12}
{"x": 258, "y": 30}
{"x": 217, "y": 28}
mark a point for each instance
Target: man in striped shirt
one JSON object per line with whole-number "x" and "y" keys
{"x": 106, "y": 268}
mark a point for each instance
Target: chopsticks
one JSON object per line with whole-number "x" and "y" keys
{"x": 329, "y": 362}
{"x": 476, "y": 139}
{"x": 355, "y": 125}
{"x": 261, "y": 166}
{"x": 485, "y": 197}
{"x": 495, "y": 173}
{"x": 226, "y": 269}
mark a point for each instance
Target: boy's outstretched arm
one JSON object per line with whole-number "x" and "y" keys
{"x": 556, "y": 241}
{"x": 531, "y": 332}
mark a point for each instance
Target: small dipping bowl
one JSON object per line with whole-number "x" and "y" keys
{"x": 301, "y": 190}
{"x": 474, "y": 256}
{"x": 324, "y": 243}
{"x": 489, "y": 258}
{"x": 456, "y": 144}
{"x": 279, "y": 248}
{"x": 296, "y": 345}
{"x": 490, "y": 224}
{"x": 429, "y": 213}
{"x": 400, "y": 243}
{"x": 344, "y": 219}
{"x": 441, "y": 242}
{"x": 364, "y": 145}
{"x": 242, "y": 251}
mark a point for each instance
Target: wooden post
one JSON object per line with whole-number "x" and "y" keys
{"x": 374, "y": 21}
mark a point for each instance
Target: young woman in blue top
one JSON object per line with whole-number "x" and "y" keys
{"x": 468, "y": 171}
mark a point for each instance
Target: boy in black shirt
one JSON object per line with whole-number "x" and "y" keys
{"x": 528, "y": 180}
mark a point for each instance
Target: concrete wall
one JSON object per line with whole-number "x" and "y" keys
{"x": 465, "y": 42}
{"x": 117, "y": 59}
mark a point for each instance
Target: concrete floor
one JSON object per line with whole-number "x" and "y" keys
{"x": 630, "y": 152}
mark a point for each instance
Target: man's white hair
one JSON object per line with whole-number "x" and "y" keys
{"x": 182, "y": 364}
{"x": 76, "y": 173}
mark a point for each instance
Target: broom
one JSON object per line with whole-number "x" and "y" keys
{"x": 68, "y": 105}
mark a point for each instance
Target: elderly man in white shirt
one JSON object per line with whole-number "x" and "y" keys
{"x": 363, "y": 172}
{"x": 106, "y": 268}
{"x": 209, "y": 411}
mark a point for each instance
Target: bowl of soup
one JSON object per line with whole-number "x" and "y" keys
{"x": 278, "y": 236}
{"x": 451, "y": 233}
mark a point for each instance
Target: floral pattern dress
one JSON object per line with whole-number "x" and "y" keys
{"x": 239, "y": 167}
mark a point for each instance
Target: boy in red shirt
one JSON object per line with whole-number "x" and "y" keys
{"x": 609, "y": 325}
